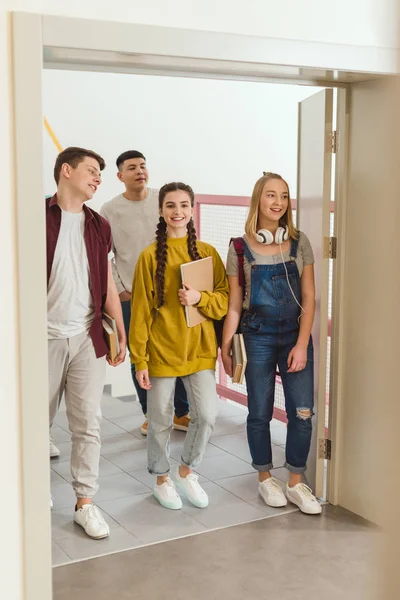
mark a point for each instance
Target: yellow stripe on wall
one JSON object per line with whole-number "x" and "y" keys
{"x": 52, "y": 135}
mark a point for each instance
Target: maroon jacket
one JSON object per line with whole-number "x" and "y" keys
{"x": 98, "y": 244}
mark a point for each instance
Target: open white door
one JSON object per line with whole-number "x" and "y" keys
{"x": 313, "y": 217}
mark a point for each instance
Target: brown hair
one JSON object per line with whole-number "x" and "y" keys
{"x": 252, "y": 219}
{"x": 73, "y": 156}
{"x": 161, "y": 237}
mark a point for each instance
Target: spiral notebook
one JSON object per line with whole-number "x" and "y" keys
{"x": 200, "y": 275}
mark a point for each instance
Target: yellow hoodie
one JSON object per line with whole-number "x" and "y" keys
{"x": 160, "y": 340}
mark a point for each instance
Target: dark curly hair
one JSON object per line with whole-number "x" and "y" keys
{"x": 161, "y": 237}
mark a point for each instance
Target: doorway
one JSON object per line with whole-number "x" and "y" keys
{"x": 29, "y": 135}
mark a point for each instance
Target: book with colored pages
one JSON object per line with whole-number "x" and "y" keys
{"x": 200, "y": 275}
{"x": 239, "y": 358}
{"x": 111, "y": 335}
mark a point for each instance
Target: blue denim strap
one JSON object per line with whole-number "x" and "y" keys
{"x": 248, "y": 253}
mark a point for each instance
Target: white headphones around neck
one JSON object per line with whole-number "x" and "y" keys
{"x": 266, "y": 237}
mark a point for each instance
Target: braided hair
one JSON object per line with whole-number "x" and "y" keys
{"x": 161, "y": 238}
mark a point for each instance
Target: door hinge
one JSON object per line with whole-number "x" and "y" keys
{"x": 324, "y": 448}
{"x": 332, "y": 142}
{"x": 330, "y": 247}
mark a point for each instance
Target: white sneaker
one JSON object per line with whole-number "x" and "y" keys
{"x": 193, "y": 490}
{"x": 167, "y": 495}
{"x": 51, "y": 502}
{"x": 271, "y": 492}
{"x": 90, "y": 518}
{"x": 301, "y": 495}
{"x": 54, "y": 451}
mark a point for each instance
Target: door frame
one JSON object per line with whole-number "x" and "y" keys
{"x": 321, "y": 127}
{"x": 338, "y": 289}
{"x": 33, "y": 34}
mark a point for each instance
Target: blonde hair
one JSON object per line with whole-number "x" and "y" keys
{"x": 252, "y": 218}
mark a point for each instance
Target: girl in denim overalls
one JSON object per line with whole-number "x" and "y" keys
{"x": 275, "y": 313}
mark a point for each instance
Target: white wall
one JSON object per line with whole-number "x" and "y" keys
{"x": 218, "y": 136}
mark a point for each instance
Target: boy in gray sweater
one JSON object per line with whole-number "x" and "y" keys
{"x": 133, "y": 217}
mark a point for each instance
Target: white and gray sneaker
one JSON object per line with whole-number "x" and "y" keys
{"x": 54, "y": 451}
{"x": 193, "y": 490}
{"x": 167, "y": 495}
{"x": 51, "y": 502}
{"x": 90, "y": 518}
{"x": 271, "y": 492}
{"x": 301, "y": 495}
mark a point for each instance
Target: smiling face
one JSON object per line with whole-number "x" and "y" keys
{"x": 177, "y": 212}
{"x": 134, "y": 174}
{"x": 84, "y": 179}
{"x": 274, "y": 201}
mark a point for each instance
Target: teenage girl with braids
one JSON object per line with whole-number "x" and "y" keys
{"x": 163, "y": 347}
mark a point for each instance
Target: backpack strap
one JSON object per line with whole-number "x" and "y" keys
{"x": 238, "y": 244}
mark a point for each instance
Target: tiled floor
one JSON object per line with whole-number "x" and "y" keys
{"x": 125, "y": 497}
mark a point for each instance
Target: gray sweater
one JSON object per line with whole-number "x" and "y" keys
{"x": 133, "y": 227}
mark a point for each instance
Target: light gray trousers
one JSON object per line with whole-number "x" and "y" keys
{"x": 203, "y": 402}
{"x": 75, "y": 371}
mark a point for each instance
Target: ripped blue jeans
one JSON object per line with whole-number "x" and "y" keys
{"x": 267, "y": 346}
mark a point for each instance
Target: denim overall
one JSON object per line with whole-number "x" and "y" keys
{"x": 270, "y": 327}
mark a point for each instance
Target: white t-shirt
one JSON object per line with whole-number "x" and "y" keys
{"x": 70, "y": 308}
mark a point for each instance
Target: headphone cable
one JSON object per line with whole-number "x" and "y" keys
{"x": 288, "y": 282}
